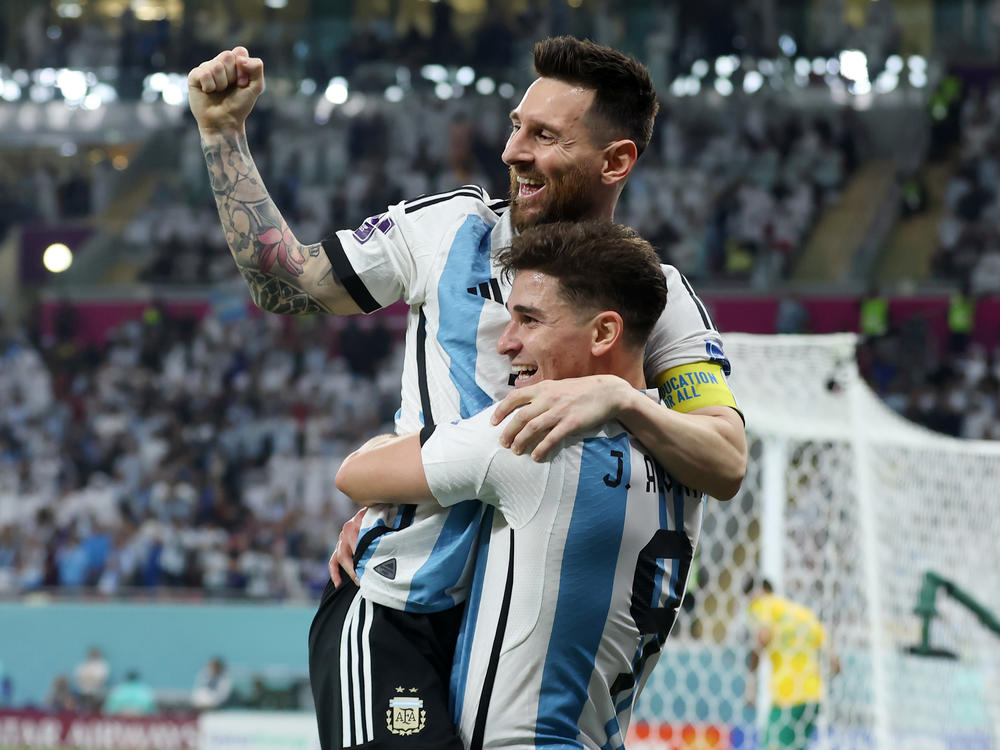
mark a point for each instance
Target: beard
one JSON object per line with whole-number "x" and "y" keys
{"x": 568, "y": 197}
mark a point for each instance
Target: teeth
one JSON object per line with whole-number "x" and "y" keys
{"x": 523, "y": 372}
{"x": 526, "y": 181}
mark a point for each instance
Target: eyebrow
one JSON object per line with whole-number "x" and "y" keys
{"x": 534, "y": 312}
{"x": 515, "y": 115}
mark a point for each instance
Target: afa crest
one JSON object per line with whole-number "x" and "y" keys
{"x": 406, "y": 714}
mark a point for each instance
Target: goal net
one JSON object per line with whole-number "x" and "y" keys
{"x": 845, "y": 508}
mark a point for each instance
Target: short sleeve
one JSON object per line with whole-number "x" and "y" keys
{"x": 464, "y": 460}
{"x": 379, "y": 261}
{"x": 684, "y": 357}
{"x": 684, "y": 332}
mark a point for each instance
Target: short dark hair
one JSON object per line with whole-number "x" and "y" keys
{"x": 624, "y": 97}
{"x": 600, "y": 265}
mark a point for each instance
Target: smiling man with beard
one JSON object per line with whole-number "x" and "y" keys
{"x": 575, "y": 138}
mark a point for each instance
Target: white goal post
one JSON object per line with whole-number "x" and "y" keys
{"x": 845, "y": 507}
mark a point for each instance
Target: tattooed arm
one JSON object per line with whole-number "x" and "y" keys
{"x": 283, "y": 275}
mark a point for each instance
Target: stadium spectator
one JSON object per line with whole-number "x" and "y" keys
{"x": 60, "y": 696}
{"x": 91, "y": 679}
{"x": 131, "y": 697}
{"x": 212, "y": 685}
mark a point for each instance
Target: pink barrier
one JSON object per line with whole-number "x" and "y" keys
{"x": 39, "y": 729}
{"x": 93, "y": 320}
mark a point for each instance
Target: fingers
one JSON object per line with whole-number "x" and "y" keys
{"x": 537, "y": 436}
{"x": 226, "y": 69}
{"x": 334, "y": 568}
{"x": 511, "y": 401}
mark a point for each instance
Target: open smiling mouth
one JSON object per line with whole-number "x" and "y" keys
{"x": 528, "y": 187}
{"x": 520, "y": 374}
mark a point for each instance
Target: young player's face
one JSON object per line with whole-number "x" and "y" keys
{"x": 545, "y": 338}
{"x": 555, "y": 168}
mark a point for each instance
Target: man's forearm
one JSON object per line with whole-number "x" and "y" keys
{"x": 283, "y": 275}
{"x": 704, "y": 449}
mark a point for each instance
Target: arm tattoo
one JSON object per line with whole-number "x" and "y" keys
{"x": 275, "y": 295}
{"x": 267, "y": 254}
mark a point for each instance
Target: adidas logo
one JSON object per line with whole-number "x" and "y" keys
{"x": 487, "y": 290}
{"x": 387, "y": 569}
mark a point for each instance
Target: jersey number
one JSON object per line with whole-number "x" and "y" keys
{"x": 650, "y": 619}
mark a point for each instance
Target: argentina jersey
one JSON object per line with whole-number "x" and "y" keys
{"x": 583, "y": 562}
{"x": 436, "y": 254}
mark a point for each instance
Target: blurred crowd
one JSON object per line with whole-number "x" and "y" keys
{"x": 969, "y": 229}
{"x": 184, "y": 454}
{"x": 723, "y": 198}
{"x": 199, "y": 454}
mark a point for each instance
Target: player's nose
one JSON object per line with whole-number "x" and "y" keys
{"x": 508, "y": 345}
{"x": 516, "y": 151}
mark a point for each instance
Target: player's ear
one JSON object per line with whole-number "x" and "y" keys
{"x": 619, "y": 158}
{"x": 607, "y": 331}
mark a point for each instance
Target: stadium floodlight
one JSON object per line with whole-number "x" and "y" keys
{"x": 918, "y": 79}
{"x": 69, "y": 10}
{"x": 766, "y": 67}
{"x": 886, "y": 82}
{"x": 486, "y": 86}
{"x": 276, "y": 4}
{"x": 174, "y": 94}
{"x": 506, "y": 90}
{"x": 787, "y": 45}
{"x": 92, "y": 101}
{"x": 11, "y": 91}
{"x": 692, "y": 86}
{"x": 699, "y": 68}
{"x": 917, "y": 62}
{"x": 465, "y": 75}
{"x": 72, "y": 84}
{"x": 802, "y": 67}
{"x": 434, "y": 73}
{"x": 724, "y": 66}
{"x": 444, "y": 90}
{"x": 854, "y": 65}
{"x": 723, "y": 86}
{"x": 833, "y": 66}
{"x": 45, "y": 76}
{"x": 68, "y": 149}
{"x": 753, "y": 81}
{"x": 57, "y": 257}
{"x": 819, "y": 66}
{"x": 894, "y": 64}
{"x": 156, "y": 81}
{"x": 394, "y": 93}
{"x": 336, "y": 91}
{"x": 307, "y": 86}
{"x": 860, "y": 88}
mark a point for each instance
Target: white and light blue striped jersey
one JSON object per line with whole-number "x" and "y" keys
{"x": 582, "y": 566}
{"x": 437, "y": 254}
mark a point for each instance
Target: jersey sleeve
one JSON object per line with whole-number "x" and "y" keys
{"x": 377, "y": 262}
{"x": 684, "y": 356}
{"x": 392, "y": 255}
{"x": 464, "y": 460}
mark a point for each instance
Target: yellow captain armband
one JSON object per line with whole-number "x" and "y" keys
{"x": 688, "y": 387}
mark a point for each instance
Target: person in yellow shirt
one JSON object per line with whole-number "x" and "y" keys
{"x": 791, "y": 636}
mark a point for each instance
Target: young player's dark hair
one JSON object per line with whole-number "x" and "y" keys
{"x": 624, "y": 97}
{"x": 600, "y": 265}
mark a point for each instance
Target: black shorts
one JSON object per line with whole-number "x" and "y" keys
{"x": 379, "y": 676}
